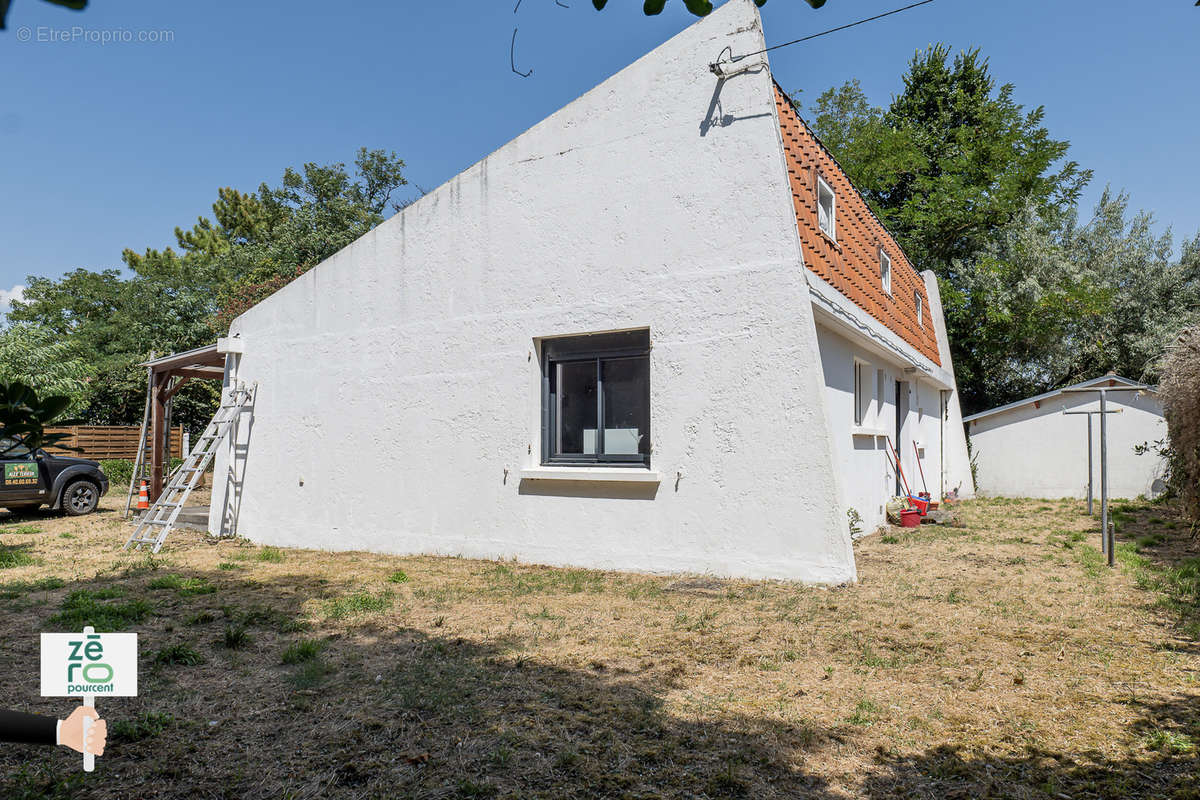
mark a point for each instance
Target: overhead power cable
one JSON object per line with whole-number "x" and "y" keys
{"x": 831, "y": 30}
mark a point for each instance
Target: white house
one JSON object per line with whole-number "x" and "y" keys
{"x": 673, "y": 255}
{"x": 1031, "y": 448}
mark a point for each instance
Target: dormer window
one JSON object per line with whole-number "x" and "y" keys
{"x": 920, "y": 307}
{"x": 826, "y": 209}
{"x": 885, "y": 270}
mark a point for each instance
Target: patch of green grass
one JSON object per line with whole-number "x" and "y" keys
{"x": 1150, "y": 540}
{"x": 203, "y": 618}
{"x": 303, "y": 650}
{"x": 874, "y": 660}
{"x": 42, "y": 782}
{"x": 358, "y": 604}
{"x": 272, "y": 555}
{"x": 66, "y": 536}
{"x": 15, "y": 555}
{"x": 955, "y": 596}
{"x": 399, "y": 576}
{"x": 1092, "y": 560}
{"x": 184, "y": 587}
{"x": 311, "y": 673}
{"x": 503, "y": 579}
{"x": 228, "y": 565}
{"x": 467, "y": 788}
{"x": 22, "y": 530}
{"x": 180, "y": 654}
{"x": 147, "y": 726}
{"x": 547, "y": 615}
{"x": 1165, "y": 741}
{"x": 86, "y": 607}
{"x": 865, "y": 713}
{"x": 236, "y": 637}
{"x": 147, "y": 563}
{"x": 889, "y": 538}
{"x": 11, "y": 591}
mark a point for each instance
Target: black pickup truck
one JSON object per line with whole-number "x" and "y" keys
{"x": 30, "y": 479}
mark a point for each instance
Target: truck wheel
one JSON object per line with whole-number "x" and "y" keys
{"x": 80, "y": 497}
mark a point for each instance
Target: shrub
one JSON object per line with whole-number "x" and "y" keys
{"x": 118, "y": 470}
{"x": 1179, "y": 391}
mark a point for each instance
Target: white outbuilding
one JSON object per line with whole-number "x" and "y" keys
{"x": 658, "y": 331}
{"x": 1038, "y": 447}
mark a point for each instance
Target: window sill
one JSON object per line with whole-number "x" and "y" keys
{"x": 610, "y": 474}
{"x": 859, "y": 431}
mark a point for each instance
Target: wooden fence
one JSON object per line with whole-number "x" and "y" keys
{"x": 107, "y": 441}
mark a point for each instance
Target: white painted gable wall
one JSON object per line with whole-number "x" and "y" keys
{"x": 398, "y": 381}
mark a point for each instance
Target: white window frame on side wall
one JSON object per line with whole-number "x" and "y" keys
{"x": 863, "y": 393}
{"x": 824, "y": 188}
{"x": 885, "y": 270}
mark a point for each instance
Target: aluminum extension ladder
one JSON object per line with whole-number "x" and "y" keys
{"x": 156, "y": 523}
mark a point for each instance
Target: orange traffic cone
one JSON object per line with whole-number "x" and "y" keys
{"x": 143, "y": 498}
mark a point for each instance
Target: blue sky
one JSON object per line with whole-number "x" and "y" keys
{"x": 107, "y": 146}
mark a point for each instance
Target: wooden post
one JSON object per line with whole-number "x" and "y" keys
{"x": 158, "y": 422}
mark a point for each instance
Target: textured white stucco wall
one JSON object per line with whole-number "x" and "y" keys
{"x": 398, "y": 382}
{"x": 861, "y": 452}
{"x": 956, "y": 459}
{"x": 1040, "y": 452}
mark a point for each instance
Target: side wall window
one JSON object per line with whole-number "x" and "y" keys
{"x": 885, "y": 270}
{"x": 862, "y": 392}
{"x": 826, "y": 208}
{"x": 596, "y": 399}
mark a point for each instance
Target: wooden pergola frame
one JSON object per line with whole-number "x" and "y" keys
{"x": 167, "y": 375}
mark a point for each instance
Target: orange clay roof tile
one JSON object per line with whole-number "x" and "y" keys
{"x": 851, "y": 265}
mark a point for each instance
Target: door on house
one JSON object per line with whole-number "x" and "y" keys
{"x": 899, "y": 450}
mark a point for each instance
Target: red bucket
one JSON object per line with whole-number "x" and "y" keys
{"x": 910, "y": 518}
{"x": 921, "y": 504}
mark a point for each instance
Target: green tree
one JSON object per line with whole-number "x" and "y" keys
{"x": 183, "y": 297}
{"x": 1151, "y": 294}
{"x": 973, "y": 187}
{"x": 46, "y": 363}
{"x": 24, "y": 415}
{"x": 952, "y": 160}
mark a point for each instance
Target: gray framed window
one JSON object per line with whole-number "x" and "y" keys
{"x": 596, "y": 399}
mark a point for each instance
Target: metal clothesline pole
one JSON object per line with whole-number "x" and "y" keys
{"x": 1091, "y": 469}
{"x": 1107, "y": 537}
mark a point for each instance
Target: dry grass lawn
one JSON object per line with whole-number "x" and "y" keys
{"x": 996, "y": 659}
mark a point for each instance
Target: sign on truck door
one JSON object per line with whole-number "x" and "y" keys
{"x": 21, "y": 476}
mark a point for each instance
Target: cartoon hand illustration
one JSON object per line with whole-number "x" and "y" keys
{"x": 70, "y": 732}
